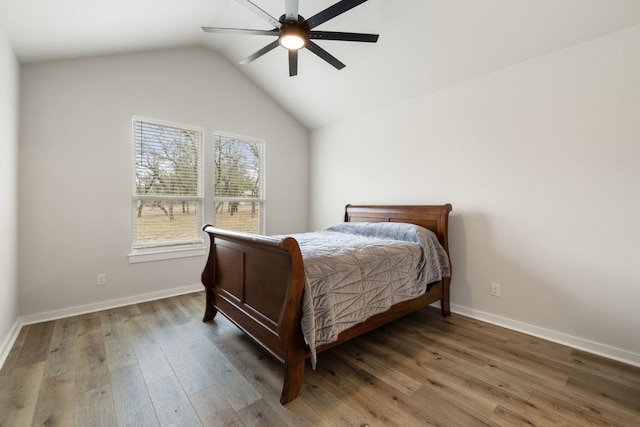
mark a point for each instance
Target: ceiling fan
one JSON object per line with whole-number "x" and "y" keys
{"x": 294, "y": 32}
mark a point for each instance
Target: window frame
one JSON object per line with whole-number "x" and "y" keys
{"x": 176, "y": 248}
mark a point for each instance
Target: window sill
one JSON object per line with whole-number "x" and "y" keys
{"x": 165, "y": 254}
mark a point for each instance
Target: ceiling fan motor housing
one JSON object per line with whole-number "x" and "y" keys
{"x": 293, "y": 34}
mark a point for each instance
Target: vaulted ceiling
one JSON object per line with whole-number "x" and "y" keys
{"x": 424, "y": 45}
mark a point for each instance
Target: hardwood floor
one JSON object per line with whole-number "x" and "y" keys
{"x": 156, "y": 363}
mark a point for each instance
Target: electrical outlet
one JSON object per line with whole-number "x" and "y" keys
{"x": 495, "y": 290}
{"x": 102, "y": 279}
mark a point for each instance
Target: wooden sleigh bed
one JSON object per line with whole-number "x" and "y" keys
{"x": 257, "y": 282}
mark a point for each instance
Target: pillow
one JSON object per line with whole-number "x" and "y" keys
{"x": 388, "y": 230}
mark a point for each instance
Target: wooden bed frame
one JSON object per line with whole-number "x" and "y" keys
{"x": 257, "y": 282}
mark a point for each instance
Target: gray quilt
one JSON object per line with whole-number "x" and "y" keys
{"x": 356, "y": 270}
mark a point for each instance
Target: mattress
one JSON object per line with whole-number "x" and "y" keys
{"x": 356, "y": 270}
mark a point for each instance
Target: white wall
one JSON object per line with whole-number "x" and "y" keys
{"x": 541, "y": 163}
{"x": 76, "y": 166}
{"x": 9, "y": 84}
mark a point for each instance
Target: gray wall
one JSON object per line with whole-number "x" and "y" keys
{"x": 9, "y": 84}
{"x": 76, "y": 165}
{"x": 540, "y": 162}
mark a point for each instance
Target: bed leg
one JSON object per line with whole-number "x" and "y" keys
{"x": 209, "y": 310}
{"x": 293, "y": 374}
{"x": 209, "y": 313}
{"x": 444, "y": 302}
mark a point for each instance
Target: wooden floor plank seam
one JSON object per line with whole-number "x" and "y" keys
{"x": 157, "y": 364}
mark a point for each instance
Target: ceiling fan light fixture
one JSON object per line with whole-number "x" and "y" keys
{"x": 292, "y": 42}
{"x": 292, "y": 38}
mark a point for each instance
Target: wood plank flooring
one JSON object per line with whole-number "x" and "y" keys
{"x": 157, "y": 364}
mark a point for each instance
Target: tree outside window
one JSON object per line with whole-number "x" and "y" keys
{"x": 239, "y": 183}
{"x": 167, "y": 197}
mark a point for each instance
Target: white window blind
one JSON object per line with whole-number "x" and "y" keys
{"x": 239, "y": 183}
{"x": 167, "y": 206}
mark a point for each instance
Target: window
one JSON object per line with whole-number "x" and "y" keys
{"x": 239, "y": 183}
{"x": 167, "y": 195}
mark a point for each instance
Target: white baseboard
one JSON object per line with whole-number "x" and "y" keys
{"x": 83, "y": 309}
{"x": 7, "y": 344}
{"x": 603, "y": 350}
{"x": 106, "y": 305}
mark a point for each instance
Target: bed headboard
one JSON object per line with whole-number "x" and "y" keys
{"x": 433, "y": 217}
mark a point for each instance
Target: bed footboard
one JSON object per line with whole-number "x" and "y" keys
{"x": 257, "y": 282}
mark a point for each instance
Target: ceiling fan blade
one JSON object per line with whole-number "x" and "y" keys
{"x": 291, "y": 10}
{"x": 332, "y": 12}
{"x": 349, "y": 37}
{"x": 240, "y": 31}
{"x": 293, "y": 62}
{"x": 261, "y": 13}
{"x": 261, "y": 52}
{"x": 324, "y": 55}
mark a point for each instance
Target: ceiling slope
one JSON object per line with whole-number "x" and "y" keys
{"x": 424, "y": 45}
